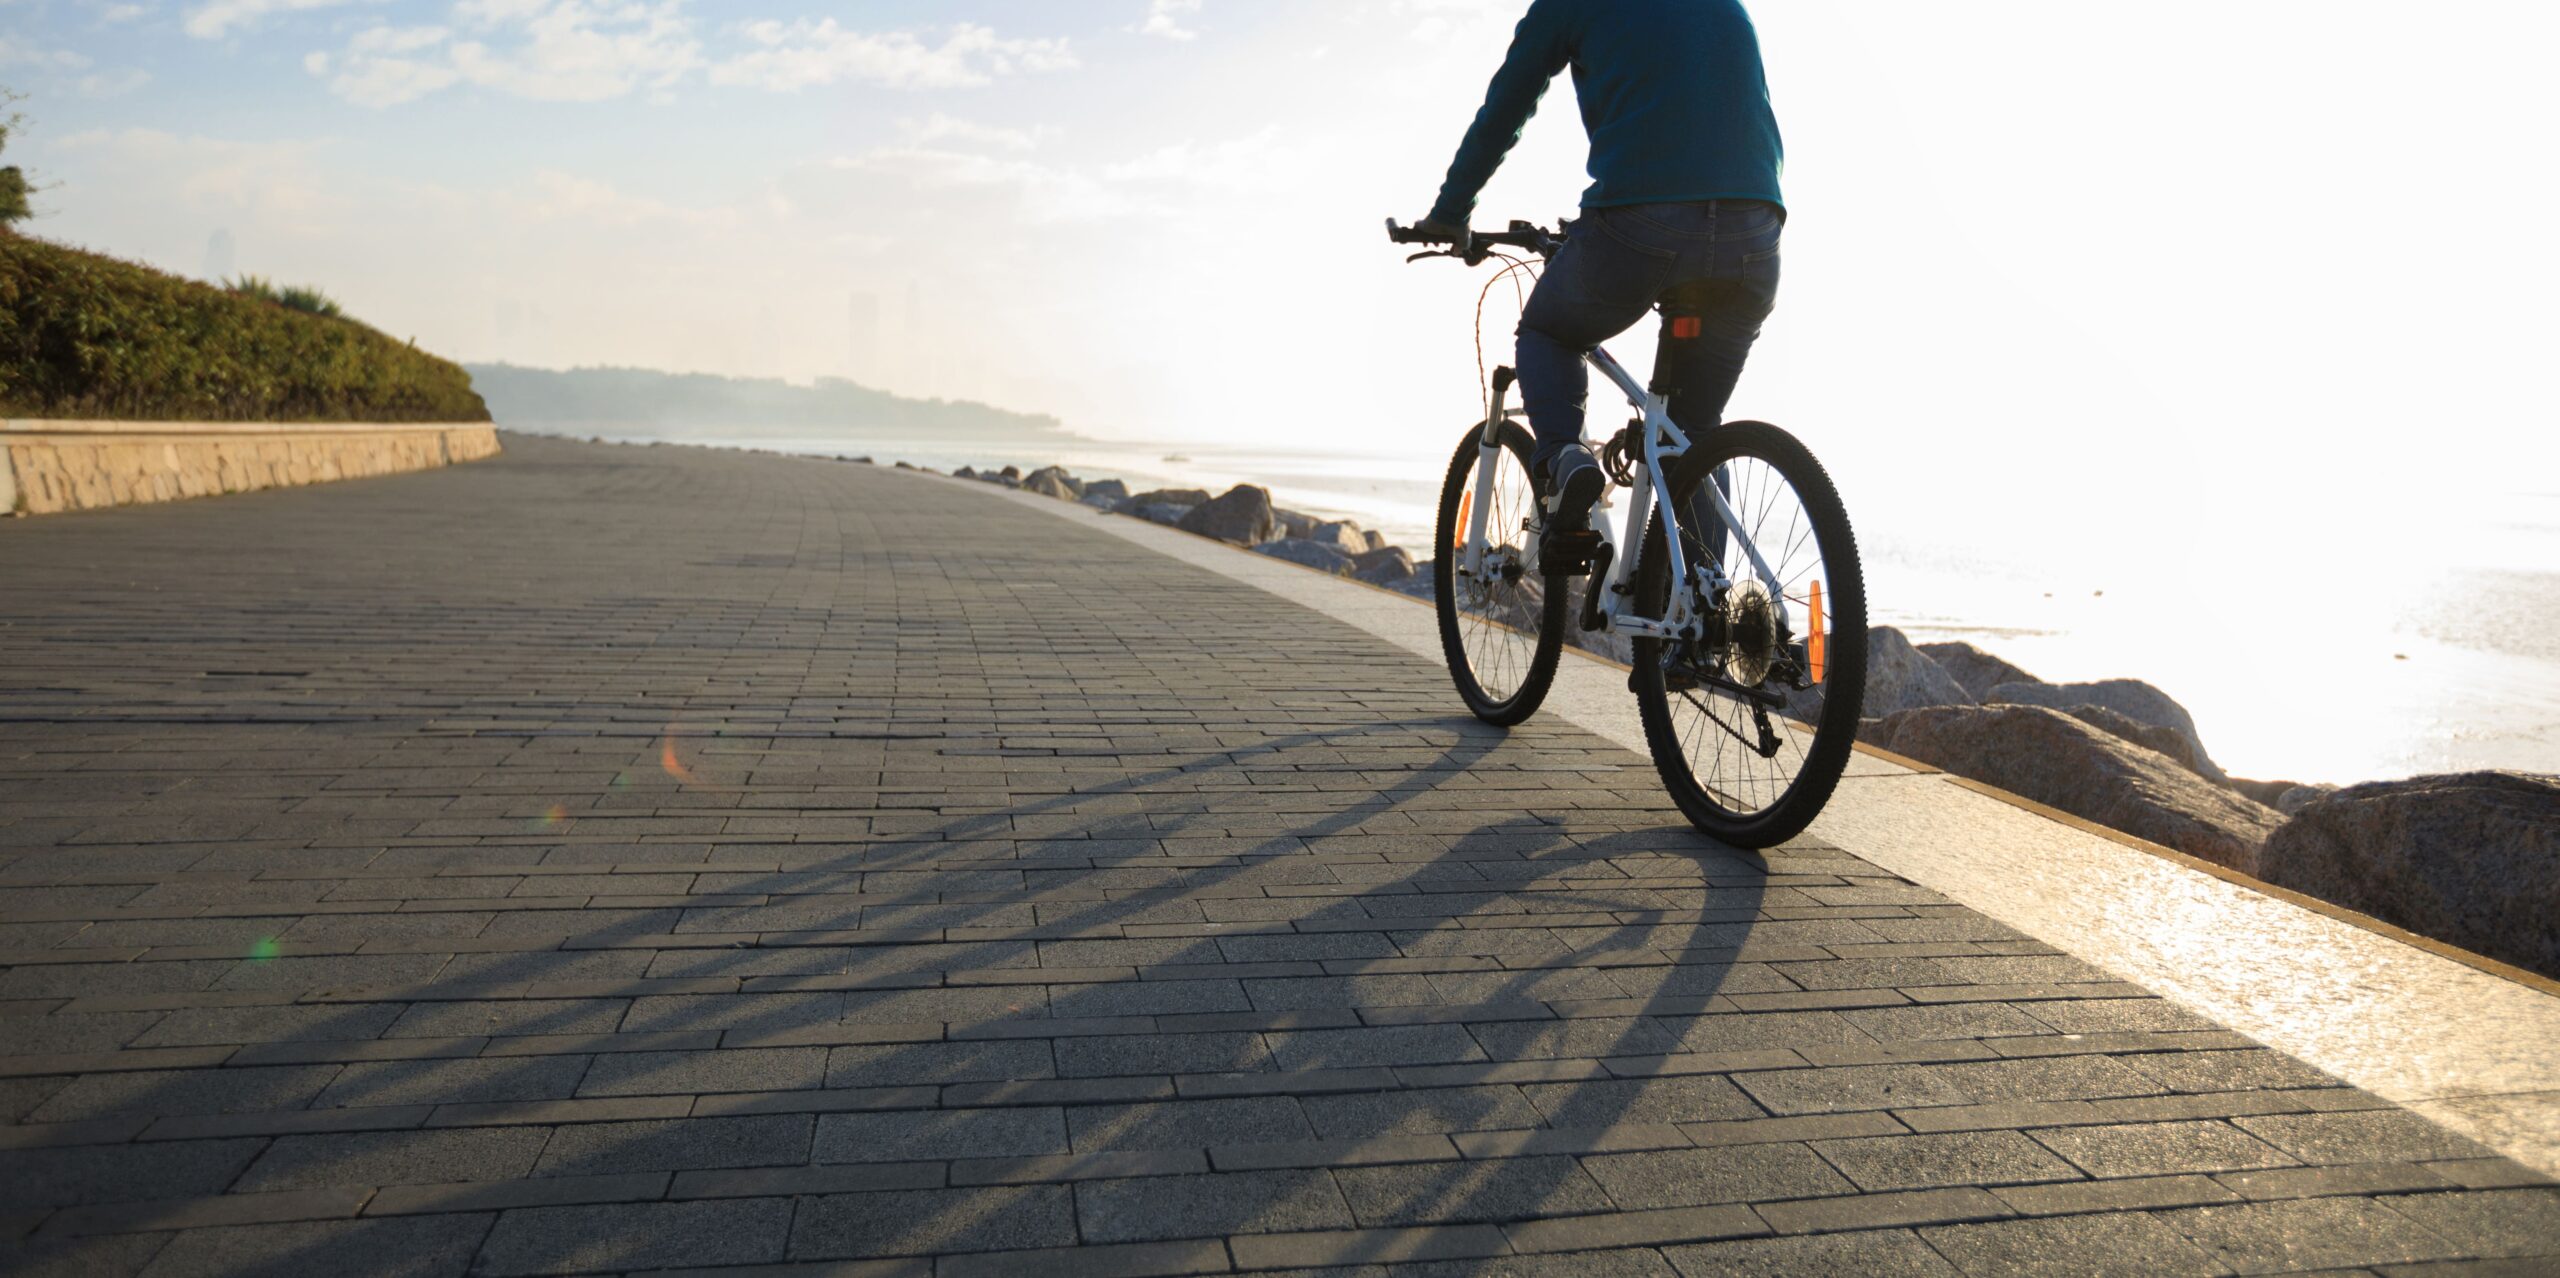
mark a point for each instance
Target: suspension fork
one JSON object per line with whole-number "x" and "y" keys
{"x": 1488, "y": 452}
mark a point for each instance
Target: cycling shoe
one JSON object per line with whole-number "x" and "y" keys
{"x": 1574, "y": 480}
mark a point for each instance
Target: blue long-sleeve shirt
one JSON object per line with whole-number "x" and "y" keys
{"x": 1672, "y": 95}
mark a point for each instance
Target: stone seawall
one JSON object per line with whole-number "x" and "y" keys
{"x": 47, "y": 467}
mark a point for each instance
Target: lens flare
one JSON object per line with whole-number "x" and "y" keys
{"x": 265, "y": 948}
{"x": 667, "y": 759}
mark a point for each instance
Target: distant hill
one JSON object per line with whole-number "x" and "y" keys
{"x": 674, "y": 405}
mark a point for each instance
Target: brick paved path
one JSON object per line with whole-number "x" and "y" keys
{"x": 633, "y": 859}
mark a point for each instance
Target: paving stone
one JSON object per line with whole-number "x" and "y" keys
{"x": 1127, "y": 1260}
{"x": 1297, "y": 993}
{"x": 1893, "y": 1251}
{"x": 915, "y": 1135}
{"x": 933, "y": 1221}
{"x": 560, "y": 1240}
{"x": 193, "y": 1091}
{"x": 1148, "y": 998}
{"x": 1502, "y": 1189}
{"x": 511, "y": 1016}
{"x": 54, "y": 1256}
{"x": 739, "y": 1070}
{"x": 1606, "y": 1102}
{"x": 455, "y": 1081}
{"x": 2114, "y": 1245}
{"x": 1192, "y": 1124}
{"x": 676, "y": 1144}
{"x": 2373, "y": 1136}
{"x": 1419, "y": 1112}
{"x": 2158, "y": 1149}
{"x": 1749, "y": 1031}
{"x": 394, "y": 1158}
{"x": 507, "y": 1195}
{"x": 2521, "y": 1223}
{"x": 1813, "y": 1091}
{"x": 1162, "y": 1054}
{"x": 1160, "y": 1207}
{"x": 907, "y": 1064}
{"x": 2225, "y": 1071}
{"x": 1954, "y": 1158}
{"x": 1389, "y": 1045}
{"x": 423, "y": 1247}
{"x": 74, "y": 1032}
{"x": 1729, "y": 1174}
{"x": 2309, "y": 1233}
{"x": 80, "y": 1174}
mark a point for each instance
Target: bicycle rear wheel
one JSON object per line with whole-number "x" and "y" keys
{"x": 1502, "y": 623}
{"x": 1751, "y": 723}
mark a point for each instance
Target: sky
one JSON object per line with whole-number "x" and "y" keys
{"x": 2129, "y": 263}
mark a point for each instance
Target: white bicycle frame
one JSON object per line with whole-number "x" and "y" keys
{"x": 1664, "y": 442}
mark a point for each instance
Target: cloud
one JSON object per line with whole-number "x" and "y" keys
{"x": 220, "y": 17}
{"x": 940, "y": 128}
{"x": 552, "y": 50}
{"x": 1164, "y": 18}
{"x": 113, "y": 14}
{"x": 16, "y": 53}
{"x": 108, "y": 84}
{"x": 803, "y": 53}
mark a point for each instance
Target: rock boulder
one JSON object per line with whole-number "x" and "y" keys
{"x": 1978, "y": 672}
{"x": 1312, "y": 554}
{"x": 1106, "y": 490}
{"x": 1167, "y": 513}
{"x": 1183, "y": 497}
{"x": 2129, "y": 697}
{"x": 2059, "y": 761}
{"x": 1340, "y": 535}
{"x": 2472, "y": 859}
{"x": 1901, "y": 677}
{"x": 1053, "y": 481}
{"x": 1241, "y": 515}
{"x": 2148, "y": 736}
{"x": 1382, "y": 567}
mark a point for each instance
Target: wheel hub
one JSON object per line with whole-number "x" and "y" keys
{"x": 1751, "y": 633}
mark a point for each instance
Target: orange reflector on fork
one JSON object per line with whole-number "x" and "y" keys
{"x": 1466, "y": 507}
{"x": 1813, "y": 633}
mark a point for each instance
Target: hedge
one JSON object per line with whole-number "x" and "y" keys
{"x": 87, "y": 336}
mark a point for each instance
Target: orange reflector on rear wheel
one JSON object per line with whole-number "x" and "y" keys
{"x": 1466, "y": 506}
{"x": 1813, "y": 634}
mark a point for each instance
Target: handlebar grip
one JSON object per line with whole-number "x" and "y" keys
{"x": 1400, "y": 234}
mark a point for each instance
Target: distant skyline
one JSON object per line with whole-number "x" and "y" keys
{"x": 2030, "y": 242}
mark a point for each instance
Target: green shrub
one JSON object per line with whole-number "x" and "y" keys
{"x": 82, "y": 335}
{"x": 309, "y": 300}
{"x": 299, "y": 297}
{"x": 253, "y": 287}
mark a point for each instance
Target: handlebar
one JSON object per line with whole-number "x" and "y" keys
{"x": 1478, "y": 245}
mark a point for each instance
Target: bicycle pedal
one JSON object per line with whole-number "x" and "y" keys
{"x": 1568, "y": 551}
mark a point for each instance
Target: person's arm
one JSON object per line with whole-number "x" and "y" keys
{"x": 1539, "y": 49}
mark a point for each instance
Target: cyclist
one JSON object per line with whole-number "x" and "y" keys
{"x": 1683, "y": 210}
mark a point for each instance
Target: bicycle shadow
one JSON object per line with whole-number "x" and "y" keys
{"x": 1492, "y": 988}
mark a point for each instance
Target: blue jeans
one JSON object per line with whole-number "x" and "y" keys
{"x": 1716, "y": 260}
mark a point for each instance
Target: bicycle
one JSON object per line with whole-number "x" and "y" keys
{"x": 1749, "y": 675}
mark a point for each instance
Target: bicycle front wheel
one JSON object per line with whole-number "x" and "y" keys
{"x": 1501, "y": 621}
{"x": 1750, "y": 722}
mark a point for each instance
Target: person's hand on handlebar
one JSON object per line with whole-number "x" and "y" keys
{"x": 1434, "y": 231}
